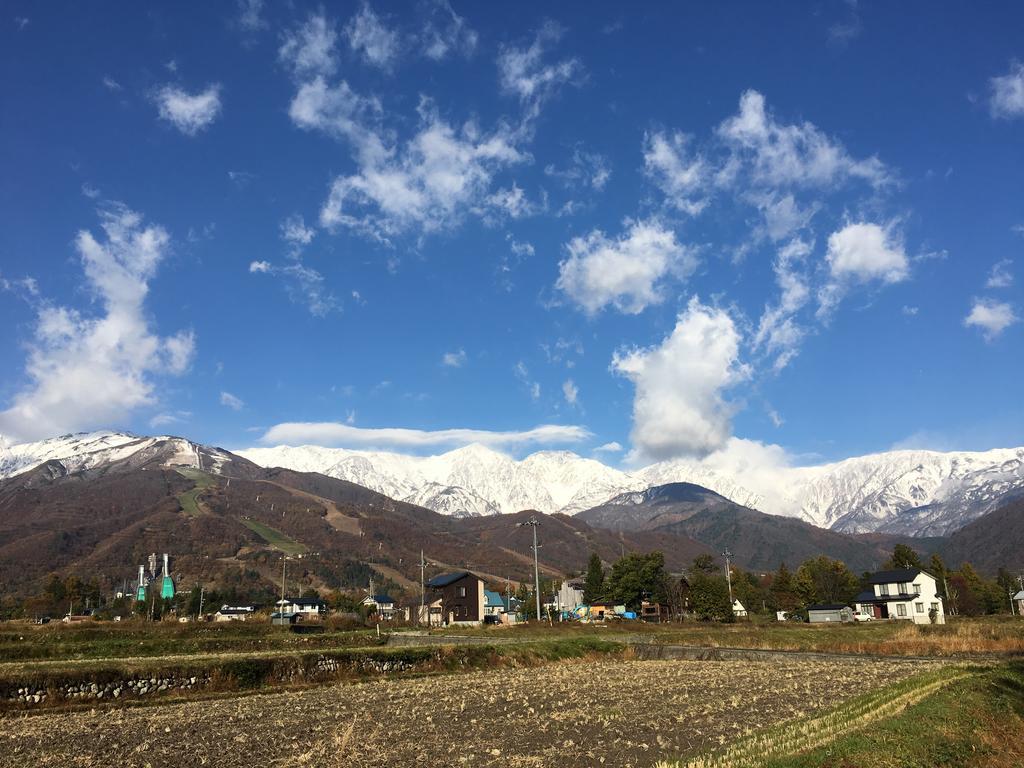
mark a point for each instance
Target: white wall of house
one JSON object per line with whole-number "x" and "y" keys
{"x": 925, "y": 596}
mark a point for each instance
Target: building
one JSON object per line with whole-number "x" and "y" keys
{"x": 429, "y": 614}
{"x": 304, "y": 607}
{"x": 381, "y": 604}
{"x": 654, "y": 612}
{"x": 494, "y": 603}
{"x": 1018, "y": 603}
{"x": 829, "y": 613}
{"x": 905, "y": 594}
{"x": 570, "y": 596}
{"x": 462, "y": 597}
{"x": 738, "y": 610}
{"x": 233, "y": 613}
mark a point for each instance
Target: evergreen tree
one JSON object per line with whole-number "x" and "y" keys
{"x": 904, "y": 557}
{"x": 593, "y": 585}
{"x": 635, "y": 578}
{"x": 709, "y": 598}
{"x": 783, "y": 590}
{"x": 824, "y": 580}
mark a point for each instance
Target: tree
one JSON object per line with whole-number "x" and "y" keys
{"x": 709, "y": 598}
{"x": 938, "y": 570}
{"x": 635, "y": 578}
{"x": 783, "y": 590}
{"x": 824, "y": 580}
{"x": 904, "y": 557}
{"x": 705, "y": 564}
{"x": 593, "y": 585}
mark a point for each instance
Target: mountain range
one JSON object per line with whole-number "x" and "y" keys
{"x": 99, "y": 503}
{"x": 908, "y": 493}
{"x": 913, "y": 493}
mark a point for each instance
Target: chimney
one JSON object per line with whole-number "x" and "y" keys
{"x": 166, "y": 572}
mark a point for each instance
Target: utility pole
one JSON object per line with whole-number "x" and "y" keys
{"x": 533, "y": 522}
{"x": 423, "y": 566}
{"x": 728, "y": 575}
{"x": 202, "y": 594}
{"x": 284, "y": 566}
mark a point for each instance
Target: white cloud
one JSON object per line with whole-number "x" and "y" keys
{"x": 368, "y": 37}
{"x": 1007, "y": 93}
{"x": 309, "y": 50}
{"x": 570, "y": 391}
{"x": 250, "y": 18}
{"x": 910, "y": 311}
{"x": 163, "y": 420}
{"x": 340, "y": 112}
{"x": 864, "y": 252}
{"x": 111, "y": 84}
{"x": 861, "y": 253}
{"x": 90, "y": 371}
{"x": 523, "y": 374}
{"x": 447, "y": 32}
{"x": 303, "y": 284}
{"x": 612, "y": 447}
{"x": 681, "y": 175}
{"x": 991, "y": 317}
{"x": 1000, "y": 276}
{"x": 295, "y": 231}
{"x": 525, "y": 73}
{"x": 334, "y": 434}
{"x": 454, "y": 359}
{"x": 232, "y": 402}
{"x": 429, "y": 184}
{"x": 189, "y": 113}
{"x": 778, "y": 332}
{"x": 798, "y": 154}
{"x": 588, "y": 169}
{"x": 678, "y": 407}
{"x": 626, "y": 273}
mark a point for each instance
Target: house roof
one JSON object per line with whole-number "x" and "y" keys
{"x": 448, "y": 578}
{"x": 1019, "y": 595}
{"x": 827, "y": 607}
{"x": 895, "y": 576}
{"x": 225, "y": 611}
{"x": 380, "y": 599}
{"x": 493, "y": 598}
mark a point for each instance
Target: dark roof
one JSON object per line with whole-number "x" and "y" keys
{"x": 894, "y": 577}
{"x": 827, "y": 607}
{"x": 448, "y": 578}
{"x": 303, "y": 600}
{"x": 382, "y": 599}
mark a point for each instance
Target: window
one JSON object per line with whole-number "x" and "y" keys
{"x": 884, "y": 590}
{"x": 934, "y": 607}
{"x": 919, "y": 607}
{"x": 917, "y": 589}
{"x": 904, "y": 588}
{"x": 901, "y": 610}
{"x": 461, "y": 591}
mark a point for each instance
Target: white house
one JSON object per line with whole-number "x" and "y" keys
{"x": 233, "y": 613}
{"x": 907, "y": 594}
{"x": 306, "y": 607}
{"x": 738, "y": 610}
{"x": 1018, "y": 601}
{"x": 383, "y": 605}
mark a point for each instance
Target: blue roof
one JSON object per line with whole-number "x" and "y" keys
{"x": 382, "y": 599}
{"x": 493, "y": 598}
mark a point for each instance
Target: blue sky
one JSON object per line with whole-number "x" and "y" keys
{"x": 668, "y": 233}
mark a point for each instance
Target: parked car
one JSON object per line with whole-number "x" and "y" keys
{"x": 863, "y": 616}
{"x": 492, "y": 618}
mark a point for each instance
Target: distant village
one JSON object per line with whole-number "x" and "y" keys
{"x": 634, "y": 588}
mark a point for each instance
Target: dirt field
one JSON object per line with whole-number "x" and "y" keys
{"x": 579, "y": 713}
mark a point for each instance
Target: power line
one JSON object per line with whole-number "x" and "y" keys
{"x": 533, "y": 522}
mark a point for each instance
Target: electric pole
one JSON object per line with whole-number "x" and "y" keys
{"x": 533, "y": 522}
{"x": 284, "y": 566}
{"x": 728, "y": 575}
{"x": 423, "y": 565}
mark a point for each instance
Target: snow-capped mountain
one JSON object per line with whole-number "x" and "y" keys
{"x": 92, "y": 450}
{"x": 920, "y": 493}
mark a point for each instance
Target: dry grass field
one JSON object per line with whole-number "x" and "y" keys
{"x": 570, "y": 713}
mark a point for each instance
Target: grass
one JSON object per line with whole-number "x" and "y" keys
{"x": 189, "y": 500}
{"x": 959, "y": 637}
{"x": 273, "y": 537}
{"x": 954, "y": 716}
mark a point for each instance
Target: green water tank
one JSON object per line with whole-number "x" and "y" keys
{"x": 167, "y": 589}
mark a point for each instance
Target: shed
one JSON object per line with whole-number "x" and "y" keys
{"x": 829, "y": 612}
